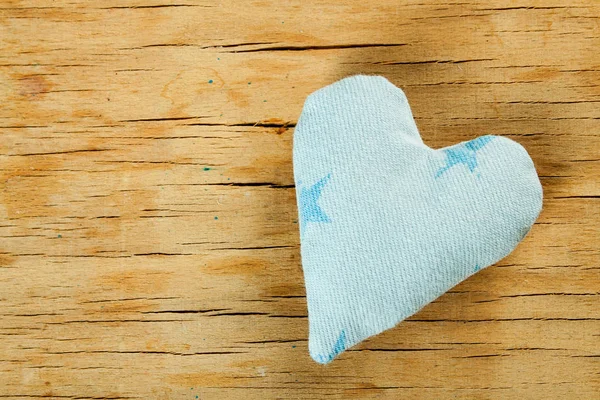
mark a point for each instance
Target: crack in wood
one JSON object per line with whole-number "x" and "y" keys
{"x": 316, "y": 48}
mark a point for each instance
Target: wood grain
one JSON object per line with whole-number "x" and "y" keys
{"x": 149, "y": 239}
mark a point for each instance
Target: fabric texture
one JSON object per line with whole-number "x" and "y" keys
{"x": 388, "y": 224}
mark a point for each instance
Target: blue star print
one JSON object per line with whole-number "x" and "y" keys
{"x": 338, "y": 347}
{"x": 464, "y": 154}
{"x": 310, "y": 211}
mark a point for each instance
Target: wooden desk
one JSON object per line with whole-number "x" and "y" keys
{"x": 149, "y": 230}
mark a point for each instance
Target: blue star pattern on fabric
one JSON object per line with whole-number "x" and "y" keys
{"x": 310, "y": 211}
{"x": 464, "y": 154}
{"x": 338, "y": 347}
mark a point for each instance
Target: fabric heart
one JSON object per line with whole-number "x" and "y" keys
{"x": 388, "y": 224}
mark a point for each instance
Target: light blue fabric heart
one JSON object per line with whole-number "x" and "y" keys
{"x": 388, "y": 224}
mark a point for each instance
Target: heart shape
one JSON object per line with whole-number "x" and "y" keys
{"x": 388, "y": 224}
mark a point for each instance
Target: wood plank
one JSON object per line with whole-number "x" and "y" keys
{"x": 149, "y": 238}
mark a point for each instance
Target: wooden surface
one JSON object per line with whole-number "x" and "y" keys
{"x": 149, "y": 239}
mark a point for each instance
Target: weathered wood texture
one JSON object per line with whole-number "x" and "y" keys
{"x": 150, "y": 245}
